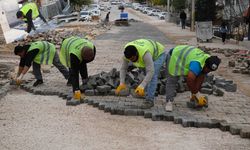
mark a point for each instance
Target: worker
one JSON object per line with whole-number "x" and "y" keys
{"x": 194, "y": 64}
{"x": 75, "y": 53}
{"x": 37, "y": 53}
{"x": 27, "y": 13}
{"x": 148, "y": 54}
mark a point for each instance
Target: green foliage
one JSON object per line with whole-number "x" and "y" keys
{"x": 205, "y": 10}
{"x": 80, "y": 2}
{"x": 179, "y": 4}
{"x": 159, "y": 2}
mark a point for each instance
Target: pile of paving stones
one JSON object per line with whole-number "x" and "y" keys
{"x": 5, "y": 70}
{"x": 106, "y": 82}
{"x": 239, "y": 59}
{"x": 57, "y": 36}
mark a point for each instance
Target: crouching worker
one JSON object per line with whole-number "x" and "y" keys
{"x": 76, "y": 53}
{"x": 194, "y": 64}
{"x": 37, "y": 53}
{"x": 143, "y": 53}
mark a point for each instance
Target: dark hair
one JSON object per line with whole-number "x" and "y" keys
{"x": 18, "y": 49}
{"x": 19, "y": 14}
{"x": 130, "y": 51}
{"x": 213, "y": 62}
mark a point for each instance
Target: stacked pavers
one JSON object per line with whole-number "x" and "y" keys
{"x": 239, "y": 59}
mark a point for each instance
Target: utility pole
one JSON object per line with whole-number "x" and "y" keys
{"x": 168, "y": 6}
{"x": 193, "y": 15}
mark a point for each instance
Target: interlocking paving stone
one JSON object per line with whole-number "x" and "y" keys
{"x": 218, "y": 109}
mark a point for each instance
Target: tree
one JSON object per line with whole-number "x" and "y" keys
{"x": 205, "y": 10}
{"x": 80, "y": 2}
{"x": 179, "y": 4}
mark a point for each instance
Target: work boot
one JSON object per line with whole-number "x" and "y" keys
{"x": 147, "y": 104}
{"x": 169, "y": 106}
{"x": 76, "y": 100}
{"x": 38, "y": 82}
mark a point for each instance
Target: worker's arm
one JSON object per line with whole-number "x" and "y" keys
{"x": 195, "y": 77}
{"x": 29, "y": 59}
{"x": 29, "y": 21}
{"x": 123, "y": 70}
{"x": 149, "y": 64}
{"x": 74, "y": 73}
{"x": 194, "y": 82}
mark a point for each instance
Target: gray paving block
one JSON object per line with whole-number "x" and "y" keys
{"x": 169, "y": 116}
{"x": 130, "y": 112}
{"x": 188, "y": 122}
{"x": 89, "y": 92}
{"x": 231, "y": 87}
{"x": 234, "y": 129}
{"x": 156, "y": 116}
{"x": 147, "y": 114}
{"x": 37, "y": 92}
{"x": 120, "y": 110}
{"x": 206, "y": 85}
{"x": 90, "y": 102}
{"x": 178, "y": 120}
{"x": 103, "y": 88}
{"x": 96, "y": 103}
{"x": 245, "y": 132}
{"x": 217, "y": 91}
{"x": 224, "y": 126}
{"x": 107, "y": 108}
{"x": 101, "y": 106}
{"x": 206, "y": 90}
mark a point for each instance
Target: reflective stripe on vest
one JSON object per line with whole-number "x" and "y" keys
{"x": 181, "y": 57}
{"x": 184, "y": 59}
{"x": 156, "y": 51}
{"x": 143, "y": 46}
{"x": 70, "y": 42}
{"x": 46, "y": 52}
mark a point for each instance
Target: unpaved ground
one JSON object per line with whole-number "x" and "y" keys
{"x": 43, "y": 122}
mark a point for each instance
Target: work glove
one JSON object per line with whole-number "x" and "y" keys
{"x": 202, "y": 101}
{"x": 19, "y": 79}
{"x": 140, "y": 91}
{"x": 77, "y": 95}
{"x": 122, "y": 86}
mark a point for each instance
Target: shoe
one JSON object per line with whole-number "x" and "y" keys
{"x": 169, "y": 106}
{"x": 73, "y": 102}
{"x": 147, "y": 104}
{"x": 38, "y": 82}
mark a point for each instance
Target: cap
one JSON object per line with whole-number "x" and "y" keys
{"x": 213, "y": 62}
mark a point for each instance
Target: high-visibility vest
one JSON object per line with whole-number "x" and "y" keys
{"x": 46, "y": 52}
{"x": 181, "y": 57}
{"x": 146, "y": 45}
{"x": 73, "y": 45}
{"x": 27, "y": 7}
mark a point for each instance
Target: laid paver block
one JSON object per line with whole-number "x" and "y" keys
{"x": 101, "y": 106}
{"x": 234, "y": 129}
{"x": 130, "y": 112}
{"x": 89, "y": 92}
{"x": 178, "y": 120}
{"x": 147, "y": 114}
{"x": 245, "y": 132}
{"x": 224, "y": 126}
{"x": 188, "y": 122}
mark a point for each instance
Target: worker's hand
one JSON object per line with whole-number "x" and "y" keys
{"x": 140, "y": 91}
{"x": 122, "y": 86}
{"x": 193, "y": 97}
{"x": 202, "y": 101}
{"x": 19, "y": 79}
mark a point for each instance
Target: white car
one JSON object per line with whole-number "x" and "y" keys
{"x": 162, "y": 15}
{"x": 153, "y": 12}
{"x": 85, "y": 15}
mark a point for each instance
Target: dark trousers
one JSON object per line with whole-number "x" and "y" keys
{"x": 223, "y": 36}
{"x": 183, "y": 23}
{"x": 56, "y": 63}
{"x": 74, "y": 75}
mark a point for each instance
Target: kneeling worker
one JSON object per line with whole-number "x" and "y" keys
{"x": 143, "y": 53}
{"x": 194, "y": 64}
{"x": 76, "y": 53}
{"x": 37, "y": 53}
{"x": 27, "y": 13}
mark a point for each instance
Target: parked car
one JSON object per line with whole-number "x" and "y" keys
{"x": 85, "y": 15}
{"x": 146, "y": 11}
{"x": 153, "y": 12}
{"x": 162, "y": 15}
